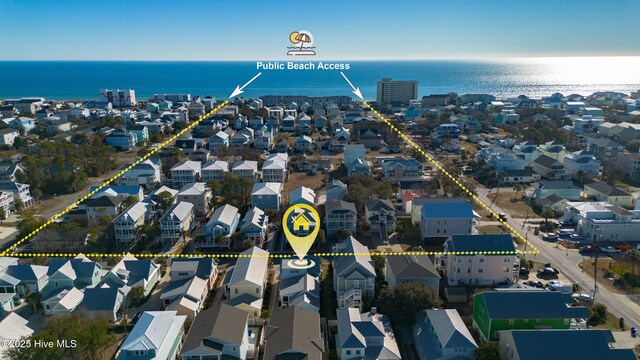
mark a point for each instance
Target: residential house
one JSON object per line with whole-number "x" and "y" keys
{"x": 336, "y": 190}
{"x": 242, "y": 138}
{"x": 553, "y": 202}
{"x": 300, "y": 287}
{"x": 629, "y": 164}
{"x": 220, "y": 332}
{"x": 553, "y": 149}
{"x": 440, "y": 334}
{"x": 255, "y": 226}
{"x": 411, "y": 268}
{"x": 103, "y": 206}
{"x": 302, "y": 195}
{"x": 293, "y": 332}
{"x": 121, "y": 140}
{"x": 267, "y": 195}
{"x": 121, "y": 192}
{"x": 199, "y": 194}
{"x": 133, "y": 272}
{"x": 64, "y": 302}
{"x": 185, "y": 297}
{"x": 582, "y": 162}
{"x": 479, "y": 260}
{"x": 19, "y": 191}
{"x": 8, "y": 136}
{"x": 127, "y": 224}
{"x": 246, "y": 283}
{"x": 219, "y": 140}
{"x": 340, "y": 214}
{"x": 8, "y": 171}
{"x": 605, "y": 149}
{"x": 202, "y": 155}
{"x": 289, "y": 123}
{"x": 222, "y": 224}
{"x": 247, "y": 169}
{"x": 549, "y": 168}
{"x": 176, "y": 222}
{"x": 79, "y": 272}
{"x": 600, "y": 191}
{"x": 204, "y": 268}
{"x": 527, "y": 150}
{"x": 215, "y": 170}
{"x": 353, "y": 275}
{"x": 141, "y": 132}
{"x": 274, "y": 170}
{"x": 563, "y": 188}
{"x": 340, "y": 139}
{"x": 156, "y": 335}
{"x": 264, "y": 138}
{"x": 497, "y": 311}
{"x": 103, "y": 303}
{"x": 380, "y": 215}
{"x": 601, "y": 221}
{"x": 561, "y": 344}
{"x": 19, "y": 122}
{"x": 370, "y": 138}
{"x": 402, "y": 169}
{"x": 365, "y": 336}
{"x": 442, "y": 217}
{"x": 13, "y": 328}
{"x": 304, "y": 144}
{"x": 31, "y": 278}
{"x": 355, "y": 161}
{"x": 147, "y": 174}
{"x": 185, "y": 172}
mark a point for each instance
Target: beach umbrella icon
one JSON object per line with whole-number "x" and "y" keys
{"x": 303, "y": 38}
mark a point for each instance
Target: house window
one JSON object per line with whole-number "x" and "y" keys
{"x": 566, "y": 321}
{"x": 481, "y": 260}
{"x": 357, "y": 352}
{"x": 480, "y": 270}
{"x": 537, "y": 321}
{"x": 257, "y": 290}
{"x": 510, "y": 321}
{"x": 348, "y": 352}
{"x": 236, "y": 291}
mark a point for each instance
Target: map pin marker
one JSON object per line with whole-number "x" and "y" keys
{"x": 301, "y": 224}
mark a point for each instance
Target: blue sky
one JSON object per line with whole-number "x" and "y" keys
{"x": 251, "y": 30}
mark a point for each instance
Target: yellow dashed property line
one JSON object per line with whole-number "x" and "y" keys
{"x": 274, "y": 256}
{"x": 441, "y": 168}
{"x": 143, "y": 158}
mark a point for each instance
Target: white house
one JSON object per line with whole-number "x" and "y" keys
{"x": 486, "y": 260}
{"x": 199, "y": 194}
{"x": 365, "y": 336}
{"x": 126, "y": 225}
{"x": 8, "y": 136}
{"x": 146, "y": 173}
{"x": 582, "y": 162}
{"x": 247, "y": 169}
{"x": 185, "y": 172}
{"x": 156, "y": 335}
{"x": 440, "y": 334}
{"x": 215, "y": 170}
{"x": 601, "y": 221}
{"x": 441, "y": 217}
{"x": 177, "y": 221}
{"x": 224, "y": 222}
{"x": 380, "y": 215}
{"x": 246, "y": 282}
{"x": 274, "y": 170}
{"x": 219, "y": 140}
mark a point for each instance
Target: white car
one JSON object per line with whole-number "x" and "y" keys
{"x": 582, "y": 297}
{"x": 609, "y": 250}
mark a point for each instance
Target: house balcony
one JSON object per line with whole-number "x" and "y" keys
{"x": 350, "y": 298}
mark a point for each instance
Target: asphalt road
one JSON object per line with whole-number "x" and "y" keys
{"x": 567, "y": 263}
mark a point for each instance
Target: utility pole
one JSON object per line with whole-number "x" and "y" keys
{"x": 595, "y": 270}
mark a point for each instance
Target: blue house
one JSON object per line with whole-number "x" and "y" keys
{"x": 122, "y": 140}
{"x": 266, "y": 195}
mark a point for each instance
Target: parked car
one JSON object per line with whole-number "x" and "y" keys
{"x": 622, "y": 247}
{"x": 569, "y": 222}
{"x": 535, "y": 283}
{"x": 610, "y": 250}
{"x": 589, "y": 249}
{"x": 550, "y": 237}
{"x": 565, "y": 232}
{"x": 554, "y": 283}
{"x": 582, "y": 297}
{"x": 548, "y": 271}
{"x": 575, "y": 237}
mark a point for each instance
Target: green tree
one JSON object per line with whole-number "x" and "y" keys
{"x": 546, "y": 214}
{"x": 343, "y": 233}
{"x": 3, "y": 214}
{"x": 28, "y": 224}
{"x": 129, "y": 201}
{"x": 487, "y": 351}
{"x": 136, "y": 296}
{"x": 247, "y": 244}
{"x": 165, "y": 200}
{"x": 92, "y": 338}
{"x": 598, "y": 314}
{"x": 403, "y": 301}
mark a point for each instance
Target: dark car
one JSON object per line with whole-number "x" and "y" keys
{"x": 589, "y": 249}
{"x": 548, "y": 271}
{"x": 535, "y": 283}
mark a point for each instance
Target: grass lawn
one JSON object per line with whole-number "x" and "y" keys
{"x": 297, "y": 179}
{"x": 507, "y": 202}
{"x": 612, "y": 323}
{"x": 627, "y": 182}
{"x": 605, "y": 267}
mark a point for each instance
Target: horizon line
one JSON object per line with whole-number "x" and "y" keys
{"x": 322, "y": 59}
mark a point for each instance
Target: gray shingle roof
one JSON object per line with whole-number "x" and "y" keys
{"x": 222, "y": 322}
{"x": 293, "y": 330}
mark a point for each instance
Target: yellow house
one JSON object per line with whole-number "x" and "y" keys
{"x": 301, "y": 222}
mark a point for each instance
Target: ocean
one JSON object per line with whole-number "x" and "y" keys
{"x": 534, "y": 77}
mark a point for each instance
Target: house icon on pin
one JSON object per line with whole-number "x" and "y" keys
{"x": 301, "y": 222}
